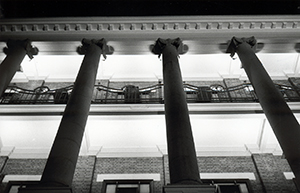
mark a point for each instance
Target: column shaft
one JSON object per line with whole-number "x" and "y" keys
{"x": 16, "y": 52}
{"x": 60, "y": 166}
{"x": 278, "y": 113}
{"x": 183, "y": 164}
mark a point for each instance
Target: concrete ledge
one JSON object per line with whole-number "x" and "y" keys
{"x": 142, "y": 176}
{"x": 45, "y": 190}
{"x": 238, "y": 175}
{"x": 289, "y": 175}
{"x": 10, "y": 177}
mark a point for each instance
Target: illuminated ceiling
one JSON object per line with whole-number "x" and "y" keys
{"x": 131, "y": 37}
{"x": 215, "y": 133}
{"x": 238, "y": 133}
{"x": 149, "y": 67}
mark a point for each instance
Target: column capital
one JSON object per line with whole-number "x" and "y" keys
{"x": 235, "y": 42}
{"x": 26, "y": 44}
{"x": 106, "y": 49}
{"x": 160, "y": 45}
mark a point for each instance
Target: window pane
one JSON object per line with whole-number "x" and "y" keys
{"x": 230, "y": 189}
{"x": 127, "y": 190}
{"x": 14, "y": 189}
{"x": 243, "y": 188}
{"x": 127, "y": 186}
{"x": 144, "y": 188}
{"x": 110, "y": 188}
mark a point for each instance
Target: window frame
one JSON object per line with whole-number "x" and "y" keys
{"x": 229, "y": 182}
{"x": 121, "y": 182}
{"x": 10, "y": 184}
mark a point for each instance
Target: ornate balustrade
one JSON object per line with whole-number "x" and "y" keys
{"x": 214, "y": 93}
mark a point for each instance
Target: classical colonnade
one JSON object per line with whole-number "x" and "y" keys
{"x": 60, "y": 167}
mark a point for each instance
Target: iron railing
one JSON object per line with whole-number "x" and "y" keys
{"x": 215, "y": 93}
{"x": 40, "y": 95}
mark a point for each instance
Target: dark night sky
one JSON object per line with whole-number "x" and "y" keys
{"x": 68, "y": 8}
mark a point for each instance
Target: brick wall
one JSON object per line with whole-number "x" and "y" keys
{"x": 239, "y": 94}
{"x": 230, "y": 165}
{"x": 283, "y": 166}
{"x": 2, "y": 162}
{"x": 130, "y": 165}
{"x": 83, "y": 174}
{"x": 204, "y": 83}
{"x": 58, "y": 85}
{"x": 166, "y": 170}
{"x": 295, "y": 81}
{"x": 32, "y": 84}
{"x": 98, "y": 95}
{"x": 23, "y": 167}
{"x": 140, "y": 85}
{"x": 82, "y": 177}
{"x": 267, "y": 168}
{"x": 224, "y": 165}
{"x": 270, "y": 170}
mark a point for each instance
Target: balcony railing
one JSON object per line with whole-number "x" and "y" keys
{"x": 215, "y": 93}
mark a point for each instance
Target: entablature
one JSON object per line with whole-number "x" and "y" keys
{"x": 134, "y": 35}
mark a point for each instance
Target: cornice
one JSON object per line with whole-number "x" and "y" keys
{"x": 203, "y": 34}
{"x": 149, "y": 23}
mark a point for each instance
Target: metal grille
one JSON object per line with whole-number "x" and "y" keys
{"x": 152, "y": 94}
{"x": 40, "y": 95}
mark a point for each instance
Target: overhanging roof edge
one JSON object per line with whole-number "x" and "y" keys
{"x": 128, "y": 19}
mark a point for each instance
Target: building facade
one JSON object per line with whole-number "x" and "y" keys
{"x": 124, "y": 141}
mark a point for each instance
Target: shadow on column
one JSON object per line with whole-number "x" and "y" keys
{"x": 278, "y": 113}
{"x": 183, "y": 167}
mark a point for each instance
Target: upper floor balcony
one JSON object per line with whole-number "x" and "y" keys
{"x": 133, "y": 75}
{"x": 106, "y": 92}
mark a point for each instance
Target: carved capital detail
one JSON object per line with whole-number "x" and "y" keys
{"x": 106, "y": 49}
{"x": 235, "y": 42}
{"x": 26, "y": 44}
{"x": 160, "y": 45}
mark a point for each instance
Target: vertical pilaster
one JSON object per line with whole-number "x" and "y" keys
{"x": 15, "y": 53}
{"x": 271, "y": 174}
{"x": 181, "y": 149}
{"x": 278, "y": 113}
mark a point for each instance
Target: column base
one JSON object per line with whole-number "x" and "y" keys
{"x": 45, "y": 190}
{"x": 189, "y": 188}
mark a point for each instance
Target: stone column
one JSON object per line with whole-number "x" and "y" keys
{"x": 278, "y": 113}
{"x": 183, "y": 166}
{"x": 15, "y": 51}
{"x": 60, "y": 167}
{"x": 181, "y": 149}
